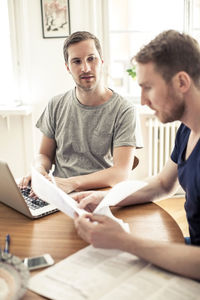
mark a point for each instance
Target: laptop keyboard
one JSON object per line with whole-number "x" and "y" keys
{"x": 33, "y": 203}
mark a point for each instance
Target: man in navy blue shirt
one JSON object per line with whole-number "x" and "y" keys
{"x": 168, "y": 71}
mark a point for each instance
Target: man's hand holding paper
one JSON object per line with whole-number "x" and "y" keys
{"x": 100, "y": 231}
{"x": 90, "y": 200}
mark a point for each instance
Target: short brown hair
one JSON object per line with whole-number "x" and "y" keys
{"x": 77, "y": 37}
{"x": 172, "y": 52}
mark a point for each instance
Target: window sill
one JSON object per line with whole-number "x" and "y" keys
{"x": 11, "y": 110}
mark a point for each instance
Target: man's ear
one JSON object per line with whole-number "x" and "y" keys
{"x": 182, "y": 81}
{"x": 68, "y": 68}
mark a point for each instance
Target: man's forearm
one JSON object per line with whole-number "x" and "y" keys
{"x": 153, "y": 191}
{"x": 42, "y": 162}
{"x": 104, "y": 178}
{"x": 178, "y": 258}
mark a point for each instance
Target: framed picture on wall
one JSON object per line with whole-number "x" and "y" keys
{"x": 55, "y": 18}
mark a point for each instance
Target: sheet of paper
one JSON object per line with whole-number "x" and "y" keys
{"x": 105, "y": 211}
{"x": 110, "y": 274}
{"x": 119, "y": 192}
{"x": 49, "y": 192}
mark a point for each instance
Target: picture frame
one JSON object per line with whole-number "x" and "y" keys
{"x": 55, "y": 18}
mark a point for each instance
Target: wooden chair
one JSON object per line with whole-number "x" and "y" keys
{"x": 135, "y": 162}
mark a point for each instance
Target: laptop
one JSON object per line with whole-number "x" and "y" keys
{"x": 11, "y": 195}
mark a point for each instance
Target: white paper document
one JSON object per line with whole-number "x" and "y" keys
{"x": 110, "y": 274}
{"x": 119, "y": 192}
{"x": 49, "y": 192}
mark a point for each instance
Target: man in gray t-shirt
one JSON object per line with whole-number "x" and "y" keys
{"x": 90, "y": 132}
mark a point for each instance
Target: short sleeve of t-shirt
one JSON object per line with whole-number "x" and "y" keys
{"x": 127, "y": 130}
{"x": 49, "y": 119}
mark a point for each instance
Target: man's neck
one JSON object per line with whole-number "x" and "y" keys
{"x": 94, "y": 97}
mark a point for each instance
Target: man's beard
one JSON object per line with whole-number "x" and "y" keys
{"x": 84, "y": 88}
{"x": 91, "y": 86}
{"x": 177, "y": 110}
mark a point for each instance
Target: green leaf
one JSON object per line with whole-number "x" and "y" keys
{"x": 132, "y": 72}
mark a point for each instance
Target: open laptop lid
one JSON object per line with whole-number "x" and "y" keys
{"x": 10, "y": 195}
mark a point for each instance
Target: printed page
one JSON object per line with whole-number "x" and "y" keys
{"x": 153, "y": 283}
{"x": 110, "y": 274}
{"x": 88, "y": 274}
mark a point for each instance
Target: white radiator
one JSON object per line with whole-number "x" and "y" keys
{"x": 161, "y": 143}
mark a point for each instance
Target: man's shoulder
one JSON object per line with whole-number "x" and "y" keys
{"x": 122, "y": 100}
{"x": 61, "y": 100}
{"x": 183, "y": 129}
{"x": 62, "y": 97}
{"x": 182, "y": 134}
{"x": 125, "y": 105}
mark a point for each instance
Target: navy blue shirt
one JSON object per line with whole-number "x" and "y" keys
{"x": 189, "y": 178}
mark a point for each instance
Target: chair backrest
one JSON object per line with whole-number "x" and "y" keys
{"x": 135, "y": 162}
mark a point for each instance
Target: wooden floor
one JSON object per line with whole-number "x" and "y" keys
{"x": 175, "y": 207}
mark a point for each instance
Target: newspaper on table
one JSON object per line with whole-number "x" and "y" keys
{"x": 102, "y": 274}
{"x": 49, "y": 192}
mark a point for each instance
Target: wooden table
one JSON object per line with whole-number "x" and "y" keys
{"x": 55, "y": 234}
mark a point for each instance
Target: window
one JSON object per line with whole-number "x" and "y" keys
{"x": 8, "y": 89}
{"x": 132, "y": 23}
{"x": 194, "y": 27}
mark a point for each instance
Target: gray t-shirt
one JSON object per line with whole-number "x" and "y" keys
{"x": 86, "y": 135}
